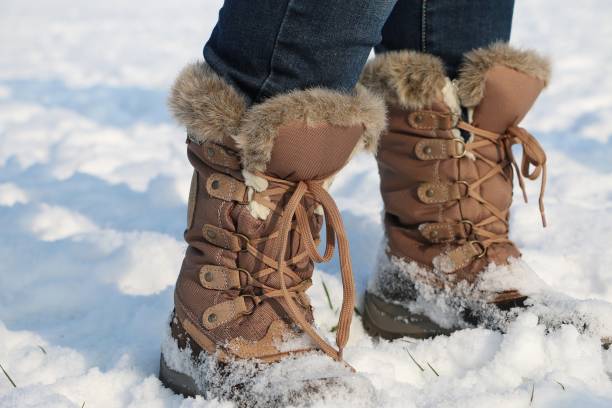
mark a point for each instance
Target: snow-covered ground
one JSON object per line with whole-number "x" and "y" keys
{"x": 93, "y": 188}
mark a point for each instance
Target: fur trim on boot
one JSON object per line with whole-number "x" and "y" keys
{"x": 471, "y": 81}
{"x": 211, "y": 110}
{"x": 205, "y": 104}
{"x": 406, "y": 79}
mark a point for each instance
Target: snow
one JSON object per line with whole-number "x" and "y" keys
{"x": 93, "y": 191}
{"x": 335, "y": 383}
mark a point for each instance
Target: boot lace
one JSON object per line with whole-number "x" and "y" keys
{"x": 533, "y": 165}
{"x": 335, "y": 232}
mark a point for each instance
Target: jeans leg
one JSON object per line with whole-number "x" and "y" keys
{"x": 447, "y": 28}
{"x": 266, "y": 47}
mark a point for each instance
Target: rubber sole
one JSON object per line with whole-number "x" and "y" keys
{"x": 275, "y": 394}
{"x": 388, "y": 320}
{"x": 178, "y": 382}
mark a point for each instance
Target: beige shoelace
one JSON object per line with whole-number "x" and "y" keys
{"x": 334, "y": 232}
{"x": 533, "y": 155}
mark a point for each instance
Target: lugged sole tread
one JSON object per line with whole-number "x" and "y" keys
{"x": 178, "y": 382}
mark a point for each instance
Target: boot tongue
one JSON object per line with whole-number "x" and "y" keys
{"x": 303, "y": 152}
{"x": 508, "y": 96}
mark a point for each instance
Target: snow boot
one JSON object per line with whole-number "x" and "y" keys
{"x": 242, "y": 326}
{"x": 446, "y": 167}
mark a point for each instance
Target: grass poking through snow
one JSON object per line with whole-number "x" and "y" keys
{"x": 329, "y": 302}
{"x": 433, "y": 369}
{"x": 415, "y": 362}
{"x": 8, "y": 376}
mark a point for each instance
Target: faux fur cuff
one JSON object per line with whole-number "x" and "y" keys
{"x": 471, "y": 81}
{"x": 311, "y": 107}
{"x": 406, "y": 79}
{"x": 208, "y": 107}
{"x": 211, "y": 109}
{"x": 413, "y": 80}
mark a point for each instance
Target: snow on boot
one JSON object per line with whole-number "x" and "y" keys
{"x": 242, "y": 327}
{"x": 446, "y": 167}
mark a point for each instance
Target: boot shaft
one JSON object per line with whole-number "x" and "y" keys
{"x": 445, "y": 162}
{"x": 257, "y": 205}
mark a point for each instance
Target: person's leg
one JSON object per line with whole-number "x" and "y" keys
{"x": 264, "y": 148}
{"x": 446, "y": 168}
{"x": 446, "y": 28}
{"x": 269, "y": 47}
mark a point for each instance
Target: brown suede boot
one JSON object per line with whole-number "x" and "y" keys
{"x": 446, "y": 169}
{"x": 242, "y": 319}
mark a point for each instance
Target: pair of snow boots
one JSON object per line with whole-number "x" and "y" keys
{"x": 242, "y": 327}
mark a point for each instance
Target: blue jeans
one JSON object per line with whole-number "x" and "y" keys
{"x": 266, "y": 47}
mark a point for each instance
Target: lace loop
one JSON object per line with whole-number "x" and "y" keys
{"x": 533, "y": 165}
{"x": 533, "y": 155}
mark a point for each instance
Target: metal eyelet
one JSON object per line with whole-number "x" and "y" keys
{"x": 246, "y": 241}
{"x": 467, "y": 186}
{"x": 483, "y": 249}
{"x": 247, "y": 273}
{"x": 256, "y": 301}
{"x": 461, "y": 144}
{"x": 470, "y": 224}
